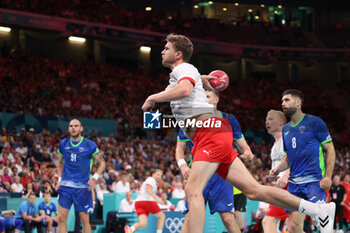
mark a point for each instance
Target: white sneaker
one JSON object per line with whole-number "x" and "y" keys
{"x": 325, "y": 220}
{"x": 340, "y": 231}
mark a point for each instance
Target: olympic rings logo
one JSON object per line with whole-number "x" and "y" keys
{"x": 174, "y": 225}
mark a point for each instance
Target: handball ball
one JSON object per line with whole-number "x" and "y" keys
{"x": 221, "y": 82}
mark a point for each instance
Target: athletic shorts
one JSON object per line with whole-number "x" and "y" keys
{"x": 80, "y": 197}
{"x": 10, "y": 223}
{"x": 308, "y": 191}
{"x": 277, "y": 212}
{"x": 146, "y": 207}
{"x": 219, "y": 194}
{"x": 240, "y": 202}
{"x": 215, "y": 145}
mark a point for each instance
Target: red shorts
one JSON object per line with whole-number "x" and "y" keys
{"x": 277, "y": 212}
{"x": 146, "y": 207}
{"x": 214, "y": 144}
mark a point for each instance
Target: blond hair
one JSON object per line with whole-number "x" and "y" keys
{"x": 279, "y": 114}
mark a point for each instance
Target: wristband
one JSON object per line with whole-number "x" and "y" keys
{"x": 96, "y": 176}
{"x": 181, "y": 162}
{"x": 59, "y": 179}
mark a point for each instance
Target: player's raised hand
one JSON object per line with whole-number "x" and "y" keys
{"x": 325, "y": 183}
{"x": 274, "y": 172}
{"x": 148, "y": 105}
{"x": 92, "y": 183}
{"x": 205, "y": 80}
{"x": 185, "y": 170}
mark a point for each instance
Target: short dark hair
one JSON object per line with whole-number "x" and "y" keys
{"x": 183, "y": 44}
{"x": 32, "y": 194}
{"x": 211, "y": 90}
{"x": 295, "y": 93}
{"x": 47, "y": 193}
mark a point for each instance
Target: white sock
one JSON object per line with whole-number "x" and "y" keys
{"x": 133, "y": 228}
{"x": 159, "y": 231}
{"x": 309, "y": 208}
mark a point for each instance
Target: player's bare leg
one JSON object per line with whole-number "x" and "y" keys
{"x": 255, "y": 191}
{"x": 142, "y": 222}
{"x": 201, "y": 171}
{"x": 62, "y": 219}
{"x": 238, "y": 219}
{"x": 228, "y": 219}
{"x": 295, "y": 222}
{"x": 84, "y": 217}
{"x": 185, "y": 225}
{"x": 270, "y": 224}
{"x": 160, "y": 223}
{"x": 49, "y": 225}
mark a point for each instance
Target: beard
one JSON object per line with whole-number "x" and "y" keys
{"x": 289, "y": 112}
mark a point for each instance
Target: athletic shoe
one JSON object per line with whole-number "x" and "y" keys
{"x": 128, "y": 229}
{"x": 324, "y": 221}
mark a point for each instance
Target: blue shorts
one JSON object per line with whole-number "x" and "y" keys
{"x": 10, "y": 223}
{"x": 309, "y": 191}
{"x": 80, "y": 197}
{"x": 219, "y": 194}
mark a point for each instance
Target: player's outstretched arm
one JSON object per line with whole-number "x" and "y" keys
{"x": 284, "y": 165}
{"x": 180, "y": 91}
{"x": 329, "y": 153}
{"x": 180, "y": 158}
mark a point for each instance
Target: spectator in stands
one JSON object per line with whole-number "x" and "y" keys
{"x": 47, "y": 188}
{"x": 25, "y": 177}
{"x": 6, "y": 178}
{"x": 101, "y": 189}
{"x": 22, "y": 150}
{"x": 28, "y": 213}
{"x": 47, "y": 160}
{"x": 36, "y": 187}
{"x": 178, "y": 192}
{"x": 14, "y": 171}
{"x": 17, "y": 187}
{"x": 127, "y": 205}
{"x": 28, "y": 190}
{"x": 337, "y": 194}
{"x": 3, "y": 188}
{"x": 111, "y": 179}
{"x": 168, "y": 205}
{"x": 2, "y": 166}
{"x": 36, "y": 157}
{"x": 35, "y": 172}
{"x": 181, "y": 205}
{"x": 123, "y": 185}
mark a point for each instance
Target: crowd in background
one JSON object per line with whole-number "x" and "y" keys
{"x": 243, "y": 29}
{"x": 31, "y": 84}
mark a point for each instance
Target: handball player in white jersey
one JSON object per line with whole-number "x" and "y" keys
{"x": 275, "y": 120}
{"x": 146, "y": 203}
{"x": 212, "y": 138}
